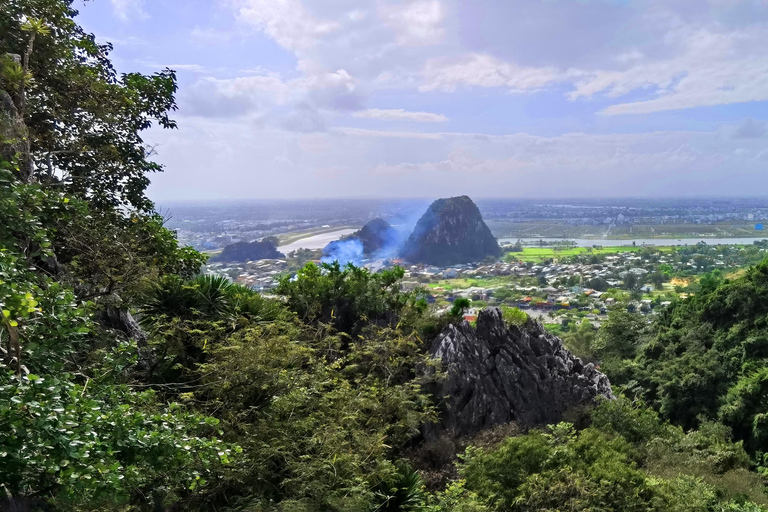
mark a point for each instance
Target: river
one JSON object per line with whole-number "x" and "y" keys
{"x": 323, "y": 239}
{"x": 316, "y": 241}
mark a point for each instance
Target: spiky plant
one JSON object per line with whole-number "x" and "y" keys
{"x": 172, "y": 297}
{"x": 403, "y": 494}
{"x": 212, "y": 294}
{"x": 13, "y": 75}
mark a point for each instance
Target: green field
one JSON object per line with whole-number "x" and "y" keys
{"x": 502, "y": 228}
{"x": 538, "y": 254}
{"x": 463, "y": 283}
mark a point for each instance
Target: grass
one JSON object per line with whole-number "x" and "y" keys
{"x": 464, "y": 283}
{"x": 538, "y": 254}
{"x": 503, "y": 228}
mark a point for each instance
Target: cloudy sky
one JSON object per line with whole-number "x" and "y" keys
{"x": 512, "y": 98}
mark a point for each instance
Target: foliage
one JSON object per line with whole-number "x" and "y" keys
{"x": 102, "y": 447}
{"x": 514, "y": 316}
{"x": 582, "y": 340}
{"x": 703, "y": 359}
{"x": 206, "y": 297}
{"x": 322, "y": 416}
{"x": 656, "y": 467}
{"x": 349, "y": 297}
{"x": 459, "y": 306}
{"x": 84, "y": 120}
{"x": 405, "y": 493}
{"x": 309, "y": 402}
{"x": 67, "y": 424}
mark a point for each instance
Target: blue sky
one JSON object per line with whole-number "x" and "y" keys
{"x": 514, "y": 98}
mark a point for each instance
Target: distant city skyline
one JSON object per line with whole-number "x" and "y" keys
{"x": 435, "y": 98}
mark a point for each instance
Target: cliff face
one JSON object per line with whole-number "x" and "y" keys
{"x": 452, "y": 231}
{"x": 249, "y": 251}
{"x": 498, "y": 375}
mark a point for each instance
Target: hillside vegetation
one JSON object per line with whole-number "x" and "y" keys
{"x": 129, "y": 382}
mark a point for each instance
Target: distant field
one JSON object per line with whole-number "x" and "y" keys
{"x": 537, "y": 254}
{"x": 463, "y": 283}
{"x": 553, "y": 229}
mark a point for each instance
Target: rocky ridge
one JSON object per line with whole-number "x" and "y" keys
{"x": 498, "y": 374}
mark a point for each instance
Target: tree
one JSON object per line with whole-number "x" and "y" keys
{"x": 597, "y": 283}
{"x": 272, "y": 240}
{"x": 630, "y": 281}
{"x": 581, "y": 340}
{"x": 83, "y": 121}
{"x": 459, "y": 306}
{"x": 657, "y": 279}
{"x": 514, "y": 316}
{"x": 621, "y": 336}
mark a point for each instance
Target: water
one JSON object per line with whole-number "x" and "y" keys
{"x": 589, "y": 242}
{"x": 316, "y": 241}
{"x": 323, "y": 239}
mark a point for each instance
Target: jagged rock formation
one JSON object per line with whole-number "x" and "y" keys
{"x": 377, "y": 235}
{"x": 245, "y": 251}
{"x": 498, "y": 374}
{"x": 452, "y": 231}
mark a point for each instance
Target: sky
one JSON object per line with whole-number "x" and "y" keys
{"x": 430, "y": 98}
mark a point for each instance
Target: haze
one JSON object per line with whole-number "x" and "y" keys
{"x": 428, "y": 98}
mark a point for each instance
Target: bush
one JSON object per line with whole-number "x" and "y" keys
{"x": 514, "y": 316}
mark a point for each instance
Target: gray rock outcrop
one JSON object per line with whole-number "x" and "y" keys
{"x": 498, "y": 374}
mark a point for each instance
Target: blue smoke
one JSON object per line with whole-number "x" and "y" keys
{"x": 344, "y": 251}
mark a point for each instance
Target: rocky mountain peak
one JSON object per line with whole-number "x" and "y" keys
{"x": 498, "y": 374}
{"x": 452, "y": 231}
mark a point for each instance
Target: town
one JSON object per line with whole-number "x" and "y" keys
{"x": 558, "y": 285}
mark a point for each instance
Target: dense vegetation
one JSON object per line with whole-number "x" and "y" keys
{"x": 220, "y": 399}
{"x": 704, "y": 359}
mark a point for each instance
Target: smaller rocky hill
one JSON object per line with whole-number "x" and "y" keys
{"x": 249, "y": 251}
{"x": 498, "y": 374}
{"x": 451, "y": 232}
{"x": 376, "y": 236}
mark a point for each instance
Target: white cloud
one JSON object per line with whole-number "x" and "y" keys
{"x": 296, "y": 104}
{"x": 415, "y": 23}
{"x": 288, "y": 22}
{"x": 128, "y": 10}
{"x": 712, "y": 69}
{"x": 458, "y": 161}
{"x": 672, "y": 55}
{"x": 401, "y": 115}
{"x": 360, "y": 133}
{"x": 479, "y": 70}
{"x": 403, "y": 163}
